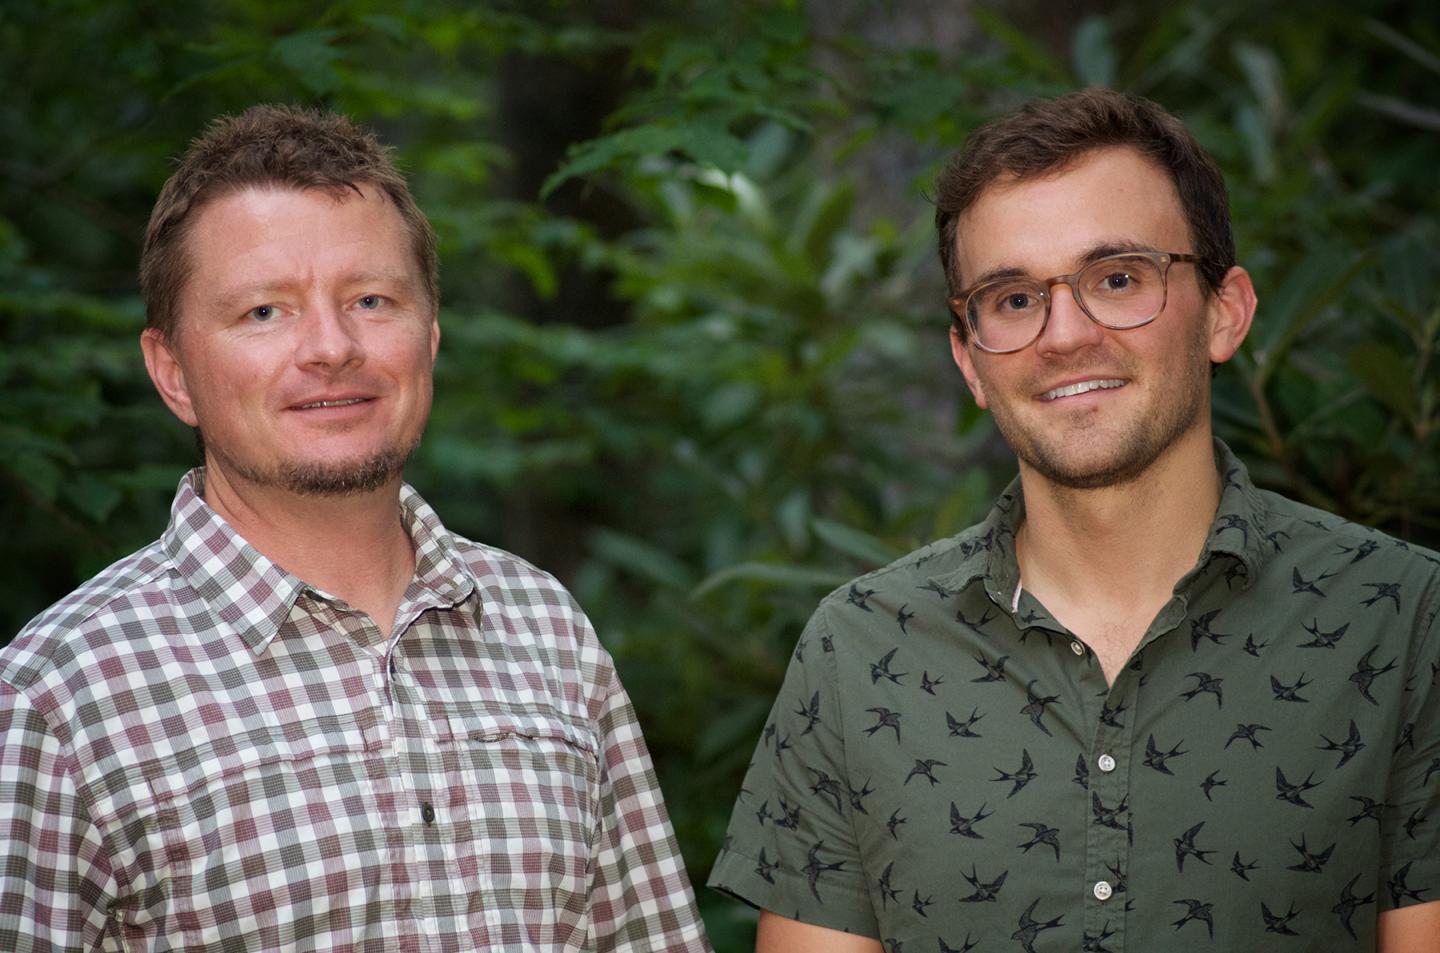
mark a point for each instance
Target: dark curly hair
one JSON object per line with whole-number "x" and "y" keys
{"x": 1046, "y": 135}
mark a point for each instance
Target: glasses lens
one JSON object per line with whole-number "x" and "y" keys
{"x": 1008, "y": 313}
{"x": 1122, "y": 291}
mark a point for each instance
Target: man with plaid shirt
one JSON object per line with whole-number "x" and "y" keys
{"x": 308, "y": 716}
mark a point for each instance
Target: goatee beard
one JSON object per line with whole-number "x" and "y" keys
{"x": 363, "y": 476}
{"x": 346, "y": 478}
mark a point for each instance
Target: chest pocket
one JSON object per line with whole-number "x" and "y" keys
{"x": 242, "y": 839}
{"x": 525, "y": 789}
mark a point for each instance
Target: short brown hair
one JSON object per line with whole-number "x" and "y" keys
{"x": 278, "y": 146}
{"x": 1048, "y": 134}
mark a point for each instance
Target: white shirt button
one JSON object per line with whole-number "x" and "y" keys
{"x": 1103, "y": 890}
{"x": 1105, "y": 763}
{"x": 1077, "y": 648}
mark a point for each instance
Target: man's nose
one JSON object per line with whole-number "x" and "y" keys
{"x": 1069, "y": 327}
{"x": 329, "y": 338}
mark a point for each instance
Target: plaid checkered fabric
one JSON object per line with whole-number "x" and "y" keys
{"x": 199, "y": 751}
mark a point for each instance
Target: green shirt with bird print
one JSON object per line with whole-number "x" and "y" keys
{"x": 947, "y": 769}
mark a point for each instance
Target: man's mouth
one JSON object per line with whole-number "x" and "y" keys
{"x": 332, "y": 403}
{"x": 1082, "y": 387}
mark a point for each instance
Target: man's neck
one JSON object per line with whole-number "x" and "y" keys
{"x": 1115, "y": 553}
{"x": 354, "y": 546}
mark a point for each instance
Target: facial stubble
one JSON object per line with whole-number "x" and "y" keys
{"x": 345, "y": 478}
{"x": 1143, "y": 442}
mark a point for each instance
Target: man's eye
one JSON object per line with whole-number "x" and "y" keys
{"x": 263, "y": 313}
{"x": 371, "y": 302}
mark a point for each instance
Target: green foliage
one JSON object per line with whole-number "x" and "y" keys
{"x": 694, "y": 352}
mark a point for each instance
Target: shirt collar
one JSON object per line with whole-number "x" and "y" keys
{"x": 249, "y": 592}
{"x": 442, "y": 576}
{"x": 987, "y": 550}
{"x": 1239, "y": 528}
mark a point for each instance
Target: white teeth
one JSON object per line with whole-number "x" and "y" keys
{"x": 333, "y": 403}
{"x": 1081, "y": 388}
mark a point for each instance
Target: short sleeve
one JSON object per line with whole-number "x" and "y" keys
{"x": 791, "y": 846}
{"x": 640, "y": 897}
{"x": 55, "y": 881}
{"x": 1410, "y": 865}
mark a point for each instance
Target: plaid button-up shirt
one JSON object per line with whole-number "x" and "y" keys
{"x": 199, "y": 751}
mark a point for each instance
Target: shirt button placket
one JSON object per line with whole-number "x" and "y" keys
{"x": 1108, "y": 842}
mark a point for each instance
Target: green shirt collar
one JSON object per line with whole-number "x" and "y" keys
{"x": 1238, "y": 532}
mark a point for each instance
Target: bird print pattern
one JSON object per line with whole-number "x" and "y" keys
{"x": 959, "y": 775}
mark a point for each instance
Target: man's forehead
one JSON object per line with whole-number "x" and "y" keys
{"x": 269, "y": 238}
{"x": 1111, "y": 197}
{"x": 279, "y": 191}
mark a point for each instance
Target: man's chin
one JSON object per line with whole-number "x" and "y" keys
{"x": 341, "y": 479}
{"x": 327, "y": 478}
{"x": 1098, "y": 477}
{"x": 1098, "y": 464}
{"x": 1103, "y": 461}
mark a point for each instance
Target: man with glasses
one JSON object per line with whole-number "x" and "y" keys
{"x": 1143, "y": 702}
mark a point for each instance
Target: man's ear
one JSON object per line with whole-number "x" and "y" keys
{"x": 1230, "y": 312}
{"x": 167, "y": 375}
{"x": 963, "y": 360}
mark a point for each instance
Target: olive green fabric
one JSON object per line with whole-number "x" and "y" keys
{"x": 946, "y": 768}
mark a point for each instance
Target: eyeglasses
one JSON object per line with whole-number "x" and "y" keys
{"x": 1119, "y": 292}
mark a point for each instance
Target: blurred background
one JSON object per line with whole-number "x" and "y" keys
{"x": 695, "y": 356}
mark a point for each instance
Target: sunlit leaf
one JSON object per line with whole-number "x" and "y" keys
{"x": 705, "y": 144}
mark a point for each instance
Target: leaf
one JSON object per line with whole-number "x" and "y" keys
{"x": 536, "y": 266}
{"x": 772, "y": 574}
{"x": 642, "y": 558}
{"x": 1404, "y": 44}
{"x": 94, "y": 497}
{"x": 40, "y": 473}
{"x": 730, "y": 405}
{"x": 1385, "y": 374}
{"x": 393, "y": 27}
{"x": 792, "y": 517}
{"x": 1314, "y": 283}
{"x": 702, "y": 143}
{"x": 830, "y": 215}
{"x": 1421, "y": 117}
{"x": 311, "y": 56}
{"x": 853, "y": 542}
{"x": 1251, "y": 127}
{"x": 1094, "y": 52}
{"x": 733, "y": 729}
{"x": 964, "y": 504}
{"x": 1028, "y": 54}
{"x": 1266, "y": 78}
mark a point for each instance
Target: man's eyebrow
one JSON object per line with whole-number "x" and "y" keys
{"x": 395, "y": 279}
{"x": 240, "y": 293}
{"x": 995, "y": 274}
{"x": 1105, "y": 250}
{"x": 1091, "y": 255}
{"x": 402, "y": 279}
